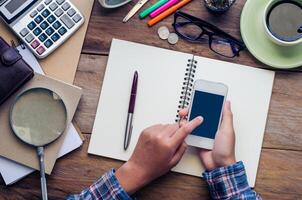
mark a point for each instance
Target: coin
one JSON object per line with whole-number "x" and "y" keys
{"x": 163, "y": 32}
{"x": 173, "y": 38}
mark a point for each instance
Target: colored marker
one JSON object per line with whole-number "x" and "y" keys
{"x": 168, "y": 12}
{"x": 147, "y": 11}
{"x": 163, "y": 8}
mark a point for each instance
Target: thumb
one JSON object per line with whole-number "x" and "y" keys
{"x": 227, "y": 117}
{"x": 206, "y": 158}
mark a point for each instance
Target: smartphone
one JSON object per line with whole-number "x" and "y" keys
{"x": 207, "y": 101}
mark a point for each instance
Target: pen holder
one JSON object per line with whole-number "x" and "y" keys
{"x": 219, "y": 6}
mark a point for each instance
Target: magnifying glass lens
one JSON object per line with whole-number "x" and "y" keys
{"x": 38, "y": 117}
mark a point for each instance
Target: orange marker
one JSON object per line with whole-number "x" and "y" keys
{"x": 168, "y": 12}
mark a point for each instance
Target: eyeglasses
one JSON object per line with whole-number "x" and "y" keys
{"x": 194, "y": 29}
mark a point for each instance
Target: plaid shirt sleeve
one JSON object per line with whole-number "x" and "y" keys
{"x": 230, "y": 183}
{"x": 106, "y": 188}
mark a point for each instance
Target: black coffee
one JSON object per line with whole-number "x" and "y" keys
{"x": 284, "y": 20}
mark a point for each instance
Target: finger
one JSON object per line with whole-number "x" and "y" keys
{"x": 206, "y": 158}
{"x": 170, "y": 129}
{"x": 182, "y": 122}
{"x": 227, "y": 117}
{"x": 183, "y": 112}
{"x": 183, "y": 116}
{"x": 178, "y": 155}
{"x": 184, "y": 131}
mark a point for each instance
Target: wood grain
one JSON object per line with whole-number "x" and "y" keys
{"x": 284, "y": 125}
{"x": 78, "y": 170}
{"x": 107, "y": 24}
{"x": 279, "y": 175}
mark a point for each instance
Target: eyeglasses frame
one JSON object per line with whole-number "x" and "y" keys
{"x": 205, "y": 26}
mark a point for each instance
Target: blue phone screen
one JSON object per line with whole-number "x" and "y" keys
{"x": 208, "y": 106}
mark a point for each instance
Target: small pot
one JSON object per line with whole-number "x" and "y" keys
{"x": 219, "y": 6}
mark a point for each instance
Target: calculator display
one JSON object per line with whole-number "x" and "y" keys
{"x": 13, "y": 5}
{"x": 11, "y": 9}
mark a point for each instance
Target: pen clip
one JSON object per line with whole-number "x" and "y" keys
{"x": 13, "y": 44}
{"x": 20, "y": 43}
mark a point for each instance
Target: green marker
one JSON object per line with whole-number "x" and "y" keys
{"x": 146, "y": 12}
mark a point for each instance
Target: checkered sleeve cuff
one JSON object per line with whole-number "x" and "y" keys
{"x": 226, "y": 182}
{"x": 106, "y": 188}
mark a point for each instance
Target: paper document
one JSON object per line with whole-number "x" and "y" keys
{"x": 11, "y": 171}
{"x": 163, "y": 82}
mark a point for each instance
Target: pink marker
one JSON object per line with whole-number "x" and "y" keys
{"x": 163, "y": 8}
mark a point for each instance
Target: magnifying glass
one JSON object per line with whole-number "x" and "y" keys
{"x": 38, "y": 117}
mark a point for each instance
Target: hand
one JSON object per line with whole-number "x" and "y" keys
{"x": 159, "y": 149}
{"x": 223, "y": 153}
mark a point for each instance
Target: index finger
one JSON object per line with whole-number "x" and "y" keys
{"x": 183, "y": 112}
{"x": 183, "y": 116}
{"x": 185, "y": 130}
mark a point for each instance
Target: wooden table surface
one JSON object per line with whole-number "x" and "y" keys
{"x": 280, "y": 170}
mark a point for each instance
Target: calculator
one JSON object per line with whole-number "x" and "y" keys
{"x": 43, "y": 25}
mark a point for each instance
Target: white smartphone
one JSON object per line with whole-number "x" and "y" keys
{"x": 207, "y": 101}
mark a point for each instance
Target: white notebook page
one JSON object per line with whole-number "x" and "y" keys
{"x": 161, "y": 74}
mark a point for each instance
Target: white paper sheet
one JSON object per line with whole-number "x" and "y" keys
{"x": 161, "y": 75}
{"x": 11, "y": 171}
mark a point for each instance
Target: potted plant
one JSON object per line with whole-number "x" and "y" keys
{"x": 219, "y": 6}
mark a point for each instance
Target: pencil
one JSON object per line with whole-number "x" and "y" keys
{"x": 168, "y": 12}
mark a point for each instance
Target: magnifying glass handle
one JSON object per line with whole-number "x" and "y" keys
{"x": 42, "y": 172}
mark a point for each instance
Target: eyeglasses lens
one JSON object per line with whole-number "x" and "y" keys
{"x": 187, "y": 28}
{"x": 223, "y": 47}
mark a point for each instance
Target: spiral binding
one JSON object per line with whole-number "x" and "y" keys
{"x": 187, "y": 86}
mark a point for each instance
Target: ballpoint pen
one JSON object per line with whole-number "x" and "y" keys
{"x": 128, "y": 131}
{"x": 137, "y": 6}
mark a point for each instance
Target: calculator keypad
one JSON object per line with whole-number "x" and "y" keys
{"x": 47, "y": 2}
{"x": 42, "y": 37}
{"x": 50, "y": 21}
{"x": 34, "y": 13}
{"x": 46, "y": 13}
{"x": 53, "y": 6}
{"x": 31, "y": 25}
{"x": 29, "y": 38}
{"x": 62, "y": 31}
{"x": 66, "y": 6}
{"x": 37, "y": 31}
{"x": 67, "y": 21}
{"x": 60, "y": 1}
{"x": 24, "y": 32}
{"x": 35, "y": 44}
{"x": 44, "y": 25}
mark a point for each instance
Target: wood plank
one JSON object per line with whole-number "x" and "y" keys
{"x": 107, "y": 24}
{"x": 284, "y": 125}
{"x": 279, "y": 174}
{"x": 89, "y": 76}
{"x": 279, "y": 178}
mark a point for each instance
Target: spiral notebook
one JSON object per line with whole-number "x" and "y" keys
{"x": 164, "y": 75}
